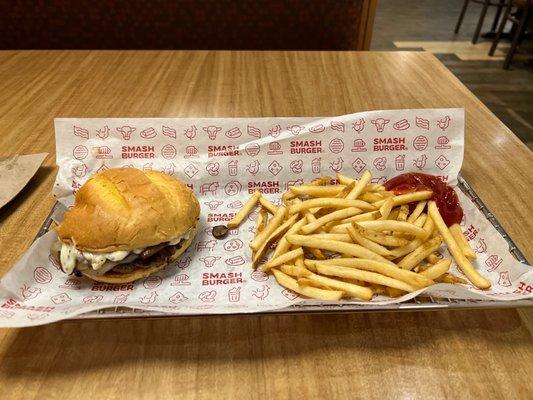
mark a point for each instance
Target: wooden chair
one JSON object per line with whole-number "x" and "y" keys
{"x": 486, "y": 3}
{"x": 519, "y": 28}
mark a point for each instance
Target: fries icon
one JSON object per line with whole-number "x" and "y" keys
{"x": 355, "y": 239}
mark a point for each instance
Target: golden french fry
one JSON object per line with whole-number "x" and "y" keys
{"x": 396, "y": 226}
{"x": 411, "y": 260}
{"x": 350, "y": 289}
{"x": 283, "y": 245}
{"x": 370, "y": 197}
{"x": 380, "y": 238}
{"x": 468, "y": 269}
{"x": 393, "y": 216}
{"x": 449, "y": 278}
{"x": 334, "y": 216}
{"x": 270, "y": 207}
{"x": 262, "y": 219}
{"x": 299, "y": 262}
{"x": 323, "y": 180}
{"x": 282, "y": 259}
{"x": 386, "y": 208}
{"x": 317, "y": 253}
{"x": 330, "y": 203}
{"x": 341, "y": 237}
{"x": 287, "y": 197}
{"x": 351, "y": 249}
{"x": 457, "y": 234}
{"x": 358, "y": 238}
{"x": 360, "y": 185}
{"x": 408, "y": 198}
{"x": 420, "y": 206}
{"x": 347, "y": 189}
{"x": 317, "y": 191}
{"x": 438, "y": 269}
{"x": 403, "y": 212}
{"x": 272, "y": 225}
{"x": 432, "y": 259}
{"x": 392, "y": 271}
{"x": 344, "y": 180}
{"x": 366, "y": 276}
{"x": 303, "y": 282}
{"x": 294, "y": 270}
{"x": 309, "y": 291}
{"x": 392, "y": 292}
{"x": 368, "y": 216}
{"x": 244, "y": 211}
{"x": 421, "y": 220}
{"x": 273, "y": 236}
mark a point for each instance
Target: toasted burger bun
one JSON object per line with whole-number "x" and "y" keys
{"x": 127, "y": 209}
{"x": 155, "y": 264}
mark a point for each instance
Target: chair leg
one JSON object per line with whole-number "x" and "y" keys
{"x": 497, "y": 16}
{"x": 461, "y": 16}
{"x": 501, "y": 28}
{"x": 518, "y": 34}
{"x": 480, "y": 22}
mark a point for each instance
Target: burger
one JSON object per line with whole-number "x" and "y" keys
{"x": 125, "y": 225}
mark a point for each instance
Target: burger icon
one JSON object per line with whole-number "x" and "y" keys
{"x": 252, "y": 149}
{"x": 420, "y": 143}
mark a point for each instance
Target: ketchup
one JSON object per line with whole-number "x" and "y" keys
{"x": 445, "y": 197}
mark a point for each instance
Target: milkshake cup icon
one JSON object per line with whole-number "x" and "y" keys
{"x": 400, "y": 162}
{"x": 315, "y": 165}
{"x": 234, "y": 294}
{"x": 232, "y": 167}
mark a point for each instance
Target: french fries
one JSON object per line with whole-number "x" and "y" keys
{"x": 356, "y": 240}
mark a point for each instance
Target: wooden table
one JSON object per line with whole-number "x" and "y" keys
{"x": 414, "y": 355}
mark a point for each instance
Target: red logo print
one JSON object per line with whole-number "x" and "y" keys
{"x": 181, "y": 280}
{"x": 102, "y": 153}
{"x": 149, "y": 299}
{"x": 261, "y": 293}
{"x": 148, "y": 133}
{"x": 493, "y": 262}
{"x": 358, "y": 165}
{"x": 253, "y": 131}
{"x": 210, "y": 188}
{"x": 337, "y": 126}
{"x": 169, "y": 132}
{"x": 126, "y": 131}
{"x": 169, "y": 169}
{"x": 190, "y": 170}
{"x": 234, "y": 294}
{"x": 380, "y": 163}
{"x": 206, "y": 245}
{"x": 80, "y": 170}
{"x": 42, "y": 275}
{"x": 420, "y": 143}
{"x": 317, "y": 128}
{"x": 259, "y": 276}
{"x": 399, "y": 162}
{"x": 213, "y": 204}
{"x": 252, "y": 149}
{"x": 191, "y": 152}
{"x": 29, "y": 293}
{"x": 212, "y": 131}
{"x": 359, "y": 125}
{"x": 296, "y": 166}
{"x": 233, "y": 245}
{"x": 209, "y": 261}
{"x": 358, "y": 145}
{"x": 275, "y": 167}
{"x": 80, "y": 152}
{"x": 401, "y": 125}
{"x": 71, "y": 283}
{"x": 481, "y": 246}
{"x": 380, "y": 123}
{"x": 275, "y": 131}
{"x": 184, "y": 262}
{"x": 504, "y": 279}
{"x": 81, "y": 132}
{"x": 103, "y": 133}
{"x": 232, "y": 188}
{"x": 93, "y": 299}
{"x": 336, "y": 145}
{"x": 336, "y": 165}
{"x": 213, "y": 168}
{"x": 420, "y": 162}
{"x": 316, "y": 165}
{"x": 274, "y": 148}
{"x": 152, "y": 282}
{"x": 60, "y": 298}
{"x": 235, "y": 261}
{"x": 422, "y": 123}
{"x": 444, "y": 123}
{"x": 442, "y": 162}
{"x": 233, "y": 167}
{"x": 168, "y": 151}
{"x": 190, "y": 133}
{"x": 177, "y": 298}
{"x": 253, "y": 168}
{"x": 295, "y": 129}
{"x": 289, "y": 294}
{"x": 121, "y": 298}
{"x": 234, "y": 133}
{"x": 442, "y": 143}
{"x": 208, "y": 296}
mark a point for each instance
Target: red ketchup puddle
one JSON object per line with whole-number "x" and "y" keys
{"x": 445, "y": 197}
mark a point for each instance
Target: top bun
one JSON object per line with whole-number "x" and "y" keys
{"x": 126, "y": 209}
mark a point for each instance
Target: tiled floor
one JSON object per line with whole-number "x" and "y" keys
{"x": 428, "y": 25}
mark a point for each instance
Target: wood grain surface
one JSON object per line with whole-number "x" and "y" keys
{"x": 444, "y": 354}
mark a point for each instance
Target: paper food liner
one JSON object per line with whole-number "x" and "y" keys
{"x": 225, "y": 160}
